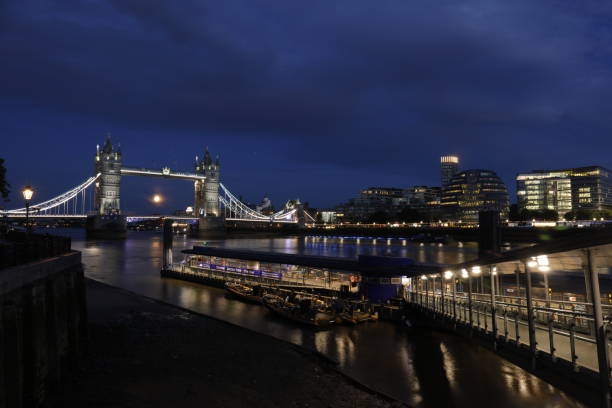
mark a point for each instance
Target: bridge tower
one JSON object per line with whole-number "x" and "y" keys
{"x": 108, "y": 188}
{"x": 206, "y": 200}
{"x": 108, "y": 221}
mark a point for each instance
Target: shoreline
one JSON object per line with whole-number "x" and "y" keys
{"x": 139, "y": 346}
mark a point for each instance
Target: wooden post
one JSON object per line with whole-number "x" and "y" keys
{"x": 167, "y": 244}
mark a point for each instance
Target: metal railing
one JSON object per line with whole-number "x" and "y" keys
{"x": 559, "y": 333}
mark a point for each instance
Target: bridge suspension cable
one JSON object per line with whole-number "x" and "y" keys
{"x": 237, "y": 210}
{"x": 61, "y": 204}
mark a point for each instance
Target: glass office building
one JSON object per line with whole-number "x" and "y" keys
{"x": 565, "y": 190}
{"x": 472, "y": 191}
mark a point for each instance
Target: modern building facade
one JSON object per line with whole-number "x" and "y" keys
{"x": 370, "y": 201}
{"x": 472, "y": 191}
{"x": 422, "y": 196}
{"x": 424, "y": 199}
{"x": 581, "y": 188}
{"x": 449, "y": 166}
{"x": 327, "y": 216}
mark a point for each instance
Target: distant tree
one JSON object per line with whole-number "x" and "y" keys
{"x": 4, "y": 185}
{"x": 548, "y": 215}
{"x": 514, "y": 214}
{"x": 605, "y": 214}
{"x": 585, "y": 214}
{"x": 541, "y": 215}
{"x": 408, "y": 214}
{"x": 379, "y": 217}
{"x": 525, "y": 215}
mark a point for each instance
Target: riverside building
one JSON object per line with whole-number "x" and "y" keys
{"x": 370, "y": 201}
{"x": 424, "y": 199}
{"x": 449, "y": 166}
{"x": 472, "y": 191}
{"x": 581, "y": 188}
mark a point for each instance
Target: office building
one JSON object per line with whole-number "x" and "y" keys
{"x": 422, "y": 196}
{"x": 472, "y": 191}
{"x": 370, "y": 201}
{"x": 581, "y": 188}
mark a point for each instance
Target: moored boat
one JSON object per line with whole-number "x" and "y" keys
{"x": 244, "y": 292}
{"x": 302, "y": 312}
{"x": 356, "y": 317}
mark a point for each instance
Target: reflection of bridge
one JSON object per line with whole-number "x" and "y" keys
{"x": 100, "y": 194}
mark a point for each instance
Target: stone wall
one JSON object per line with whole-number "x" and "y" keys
{"x": 43, "y": 328}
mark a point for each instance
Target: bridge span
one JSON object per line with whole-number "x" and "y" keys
{"x": 99, "y": 196}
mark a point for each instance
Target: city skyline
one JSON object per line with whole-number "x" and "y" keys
{"x": 325, "y": 102}
{"x": 177, "y": 195}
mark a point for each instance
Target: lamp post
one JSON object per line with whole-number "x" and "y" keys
{"x": 27, "y": 192}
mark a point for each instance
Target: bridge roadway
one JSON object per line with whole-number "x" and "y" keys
{"x": 133, "y": 218}
{"x": 166, "y": 173}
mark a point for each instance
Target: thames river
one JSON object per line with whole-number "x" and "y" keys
{"x": 422, "y": 368}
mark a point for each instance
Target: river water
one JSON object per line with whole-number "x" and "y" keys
{"x": 422, "y": 368}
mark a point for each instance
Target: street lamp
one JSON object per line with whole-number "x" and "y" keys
{"x": 27, "y": 192}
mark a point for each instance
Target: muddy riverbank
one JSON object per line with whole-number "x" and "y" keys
{"x": 143, "y": 353}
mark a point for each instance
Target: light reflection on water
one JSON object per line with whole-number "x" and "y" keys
{"x": 421, "y": 368}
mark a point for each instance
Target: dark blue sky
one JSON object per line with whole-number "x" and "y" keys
{"x": 313, "y": 99}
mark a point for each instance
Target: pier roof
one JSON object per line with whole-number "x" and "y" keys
{"x": 345, "y": 264}
{"x": 565, "y": 254}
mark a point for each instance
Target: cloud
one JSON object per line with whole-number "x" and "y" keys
{"x": 346, "y": 84}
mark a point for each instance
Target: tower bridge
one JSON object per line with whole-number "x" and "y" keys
{"x": 98, "y": 198}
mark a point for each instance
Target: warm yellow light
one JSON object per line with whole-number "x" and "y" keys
{"x": 448, "y": 275}
{"x": 464, "y": 273}
{"x": 542, "y": 260}
{"x": 157, "y": 198}
{"x": 476, "y": 270}
{"x": 449, "y": 159}
{"x": 27, "y": 192}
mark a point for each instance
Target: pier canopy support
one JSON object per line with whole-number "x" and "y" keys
{"x": 591, "y": 276}
{"x": 533, "y": 344}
